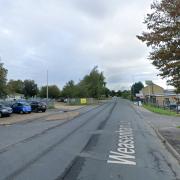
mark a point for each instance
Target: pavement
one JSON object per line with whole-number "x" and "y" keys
{"x": 110, "y": 141}
{"x": 166, "y": 127}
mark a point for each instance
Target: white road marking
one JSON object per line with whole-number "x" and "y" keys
{"x": 125, "y": 152}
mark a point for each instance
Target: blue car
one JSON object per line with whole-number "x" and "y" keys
{"x": 21, "y": 107}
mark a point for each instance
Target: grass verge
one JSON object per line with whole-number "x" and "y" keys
{"x": 178, "y": 126}
{"x": 51, "y": 107}
{"x": 160, "y": 110}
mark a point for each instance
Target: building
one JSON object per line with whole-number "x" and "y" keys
{"x": 157, "y": 95}
{"x": 15, "y": 96}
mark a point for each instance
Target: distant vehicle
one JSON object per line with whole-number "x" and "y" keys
{"x": 61, "y": 99}
{"x": 38, "y": 106}
{"x": 174, "y": 107}
{"x": 21, "y": 107}
{"x": 5, "y": 111}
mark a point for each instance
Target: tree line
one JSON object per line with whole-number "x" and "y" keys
{"x": 92, "y": 85}
{"x": 27, "y": 88}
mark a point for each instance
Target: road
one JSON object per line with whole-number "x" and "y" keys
{"x": 111, "y": 141}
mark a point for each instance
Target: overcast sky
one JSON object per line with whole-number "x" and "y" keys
{"x": 70, "y": 37}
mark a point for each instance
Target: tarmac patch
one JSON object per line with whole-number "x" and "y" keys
{"x": 63, "y": 116}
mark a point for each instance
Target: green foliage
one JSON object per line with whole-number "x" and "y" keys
{"x": 15, "y": 86}
{"x": 53, "y": 92}
{"x": 42, "y": 92}
{"x": 69, "y": 90}
{"x": 3, "y": 80}
{"x": 119, "y": 93}
{"x": 136, "y": 87}
{"x": 107, "y": 92}
{"x": 126, "y": 94}
{"x": 163, "y": 36}
{"x": 30, "y": 88}
{"x": 92, "y": 85}
{"x": 159, "y": 110}
{"x": 113, "y": 93}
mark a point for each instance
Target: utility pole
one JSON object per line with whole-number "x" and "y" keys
{"x": 47, "y": 93}
{"x": 132, "y": 92}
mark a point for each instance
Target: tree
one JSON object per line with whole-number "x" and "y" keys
{"x": 3, "y": 80}
{"x": 30, "y": 88}
{"x": 94, "y": 83}
{"x": 82, "y": 89}
{"x": 136, "y": 87}
{"x": 15, "y": 86}
{"x": 113, "y": 93}
{"x": 126, "y": 94}
{"x": 53, "y": 92}
{"x": 107, "y": 92}
{"x": 119, "y": 93}
{"x": 163, "y": 36}
{"x": 70, "y": 90}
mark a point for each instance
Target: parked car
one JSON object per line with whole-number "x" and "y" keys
{"x": 5, "y": 111}
{"x": 61, "y": 99}
{"x": 174, "y": 107}
{"x": 38, "y": 106}
{"x": 21, "y": 107}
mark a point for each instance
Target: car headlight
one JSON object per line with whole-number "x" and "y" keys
{"x": 4, "y": 110}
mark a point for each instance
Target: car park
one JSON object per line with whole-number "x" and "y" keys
{"x": 21, "y": 107}
{"x": 5, "y": 111}
{"x": 38, "y": 106}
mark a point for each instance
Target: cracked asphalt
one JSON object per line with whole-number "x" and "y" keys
{"x": 111, "y": 141}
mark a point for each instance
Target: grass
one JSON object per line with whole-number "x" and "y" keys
{"x": 160, "y": 110}
{"x": 51, "y": 107}
{"x": 178, "y": 126}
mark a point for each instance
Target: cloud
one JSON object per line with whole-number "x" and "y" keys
{"x": 70, "y": 37}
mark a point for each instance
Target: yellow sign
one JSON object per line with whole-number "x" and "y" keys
{"x": 83, "y": 100}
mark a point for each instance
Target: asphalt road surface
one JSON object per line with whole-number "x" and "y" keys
{"x": 111, "y": 141}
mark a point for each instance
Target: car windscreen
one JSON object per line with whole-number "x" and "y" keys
{"x": 25, "y": 104}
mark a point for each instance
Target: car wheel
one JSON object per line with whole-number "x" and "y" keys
{"x": 0, "y": 115}
{"x": 21, "y": 112}
{"x": 44, "y": 110}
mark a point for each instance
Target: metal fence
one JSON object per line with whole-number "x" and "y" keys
{"x": 171, "y": 106}
{"x": 81, "y": 101}
{"x": 85, "y": 101}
